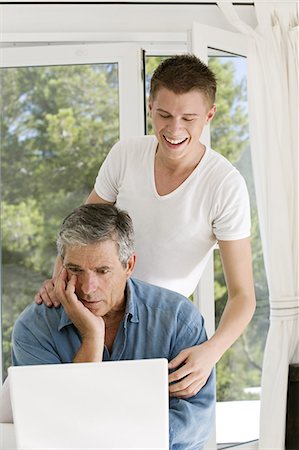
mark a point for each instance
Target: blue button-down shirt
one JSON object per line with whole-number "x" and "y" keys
{"x": 157, "y": 323}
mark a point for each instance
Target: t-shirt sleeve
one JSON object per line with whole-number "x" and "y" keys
{"x": 108, "y": 179}
{"x": 231, "y": 217}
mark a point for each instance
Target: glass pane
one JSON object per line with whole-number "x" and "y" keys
{"x": 151, "y": 63}
{"x": 57, "y": 125}
{"x": 239, "y": 370}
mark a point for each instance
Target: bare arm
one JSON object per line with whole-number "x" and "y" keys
{"x": 95, "y": 198}
{"x": 240, "y": 306}
{"x": 239, "y": 309}
{"x": 46, "y": 293}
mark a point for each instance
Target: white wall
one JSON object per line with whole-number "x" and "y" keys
{"x": 98, "y": 18}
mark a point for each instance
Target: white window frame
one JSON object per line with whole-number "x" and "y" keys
{"x": 129, "y": 60}
{"x": 203, "y": 38}
{"x": 76, "y": 48}
{"x": 127, "y": 56}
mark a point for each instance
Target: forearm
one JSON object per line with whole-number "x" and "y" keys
{"x": 236, "y": 316}
{"x": 237, "y": 267}
{"x": 91, "y": 350}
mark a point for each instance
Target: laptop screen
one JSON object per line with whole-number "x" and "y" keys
{"x": 109, "y": 405}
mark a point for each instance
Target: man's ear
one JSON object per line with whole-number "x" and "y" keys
{"x": 211, "y": 113}
{"x": 150, "y": 106}
{"x": 131, "y": 264}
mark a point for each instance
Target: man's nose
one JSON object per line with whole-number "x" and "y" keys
{"x": 88, "y": 283}
{"x": 175, "y": 125}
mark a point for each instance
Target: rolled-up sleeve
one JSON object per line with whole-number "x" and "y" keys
{"x": 32, "y": 344}
{"x": 192, "y": 420}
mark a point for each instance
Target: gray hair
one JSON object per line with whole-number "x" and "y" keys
{"x": 94, "y": 223}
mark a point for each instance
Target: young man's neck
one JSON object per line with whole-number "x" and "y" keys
{"x": 170, "y": 175}
{"x": 187, "y": 162}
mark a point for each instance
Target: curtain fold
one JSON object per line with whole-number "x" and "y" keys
{"x": 273, "y": 121}
{"x": 5, "y": 405}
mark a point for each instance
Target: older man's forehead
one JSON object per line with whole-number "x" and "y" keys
{"x": 98, "y": 253}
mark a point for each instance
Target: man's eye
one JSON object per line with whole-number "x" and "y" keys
{"x": 74, "y": 269}
{"x": 187, "y": 120}
{"x": 164, "y": 116}
{"x": 103, "y": 271}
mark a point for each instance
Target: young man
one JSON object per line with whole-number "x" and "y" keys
{"x": 183, "y": 198}
{"x": 108, "y": 316}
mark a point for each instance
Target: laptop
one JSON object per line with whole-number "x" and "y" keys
{"x": 91, "y": 406}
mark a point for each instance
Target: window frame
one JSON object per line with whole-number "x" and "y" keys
{"x": 129, "y": 60}
{"x": 203, "y": 38}
{"x": 73, "y": 48}
{"x": 127, "y": 56}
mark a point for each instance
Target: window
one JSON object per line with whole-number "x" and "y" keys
{"x": 239, "y": 370}
{"x": 63, "y": 108}
{"x": 58, "y": 123}
{"x": 151, "y": 63}
{"x": 245, "y": 357}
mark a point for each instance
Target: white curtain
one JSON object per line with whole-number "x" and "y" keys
{"x": 273, "y": 119}
{"x": 5, "y": 405}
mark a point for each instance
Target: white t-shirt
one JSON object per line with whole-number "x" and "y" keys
{"x": 175, "y": 233}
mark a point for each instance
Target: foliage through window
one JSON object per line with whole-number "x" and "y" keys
{"x": 57, "y": 125}
{"x": 239, "y": 370}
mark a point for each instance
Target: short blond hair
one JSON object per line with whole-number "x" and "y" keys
{"x": 184, "y": 73}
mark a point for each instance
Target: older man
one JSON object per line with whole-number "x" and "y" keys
{"x": 106, "y": 315}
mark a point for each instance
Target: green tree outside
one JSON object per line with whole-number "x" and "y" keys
{"x": 57, "y": 125}
{"x": 241, "y": 366}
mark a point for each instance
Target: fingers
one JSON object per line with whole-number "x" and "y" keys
{"x": 189, "y": 377}
{"x": 60, "y": 286}
{"x": 178, "y": 360}
{"x": 180, "y": 373}
{"x": 71, "y": 285}
{"x": 83, "y": 319}
{"x": 46, "y": 295}
{"x": 70, "y": 289}
{"x": 43, "y": 297}
{"x": 186, "y": 385}
{"x": 187, "y": 388}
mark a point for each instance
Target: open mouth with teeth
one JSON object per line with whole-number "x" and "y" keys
{"x": 174, "y": 142}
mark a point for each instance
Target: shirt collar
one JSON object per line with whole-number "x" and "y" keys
{"x": 131, "y": 311}
{"x": 64, "y": 320}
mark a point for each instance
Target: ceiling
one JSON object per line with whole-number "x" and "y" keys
{"x": 115, "y": 17}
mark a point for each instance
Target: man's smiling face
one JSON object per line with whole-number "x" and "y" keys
{"x": 178, "y": 121}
